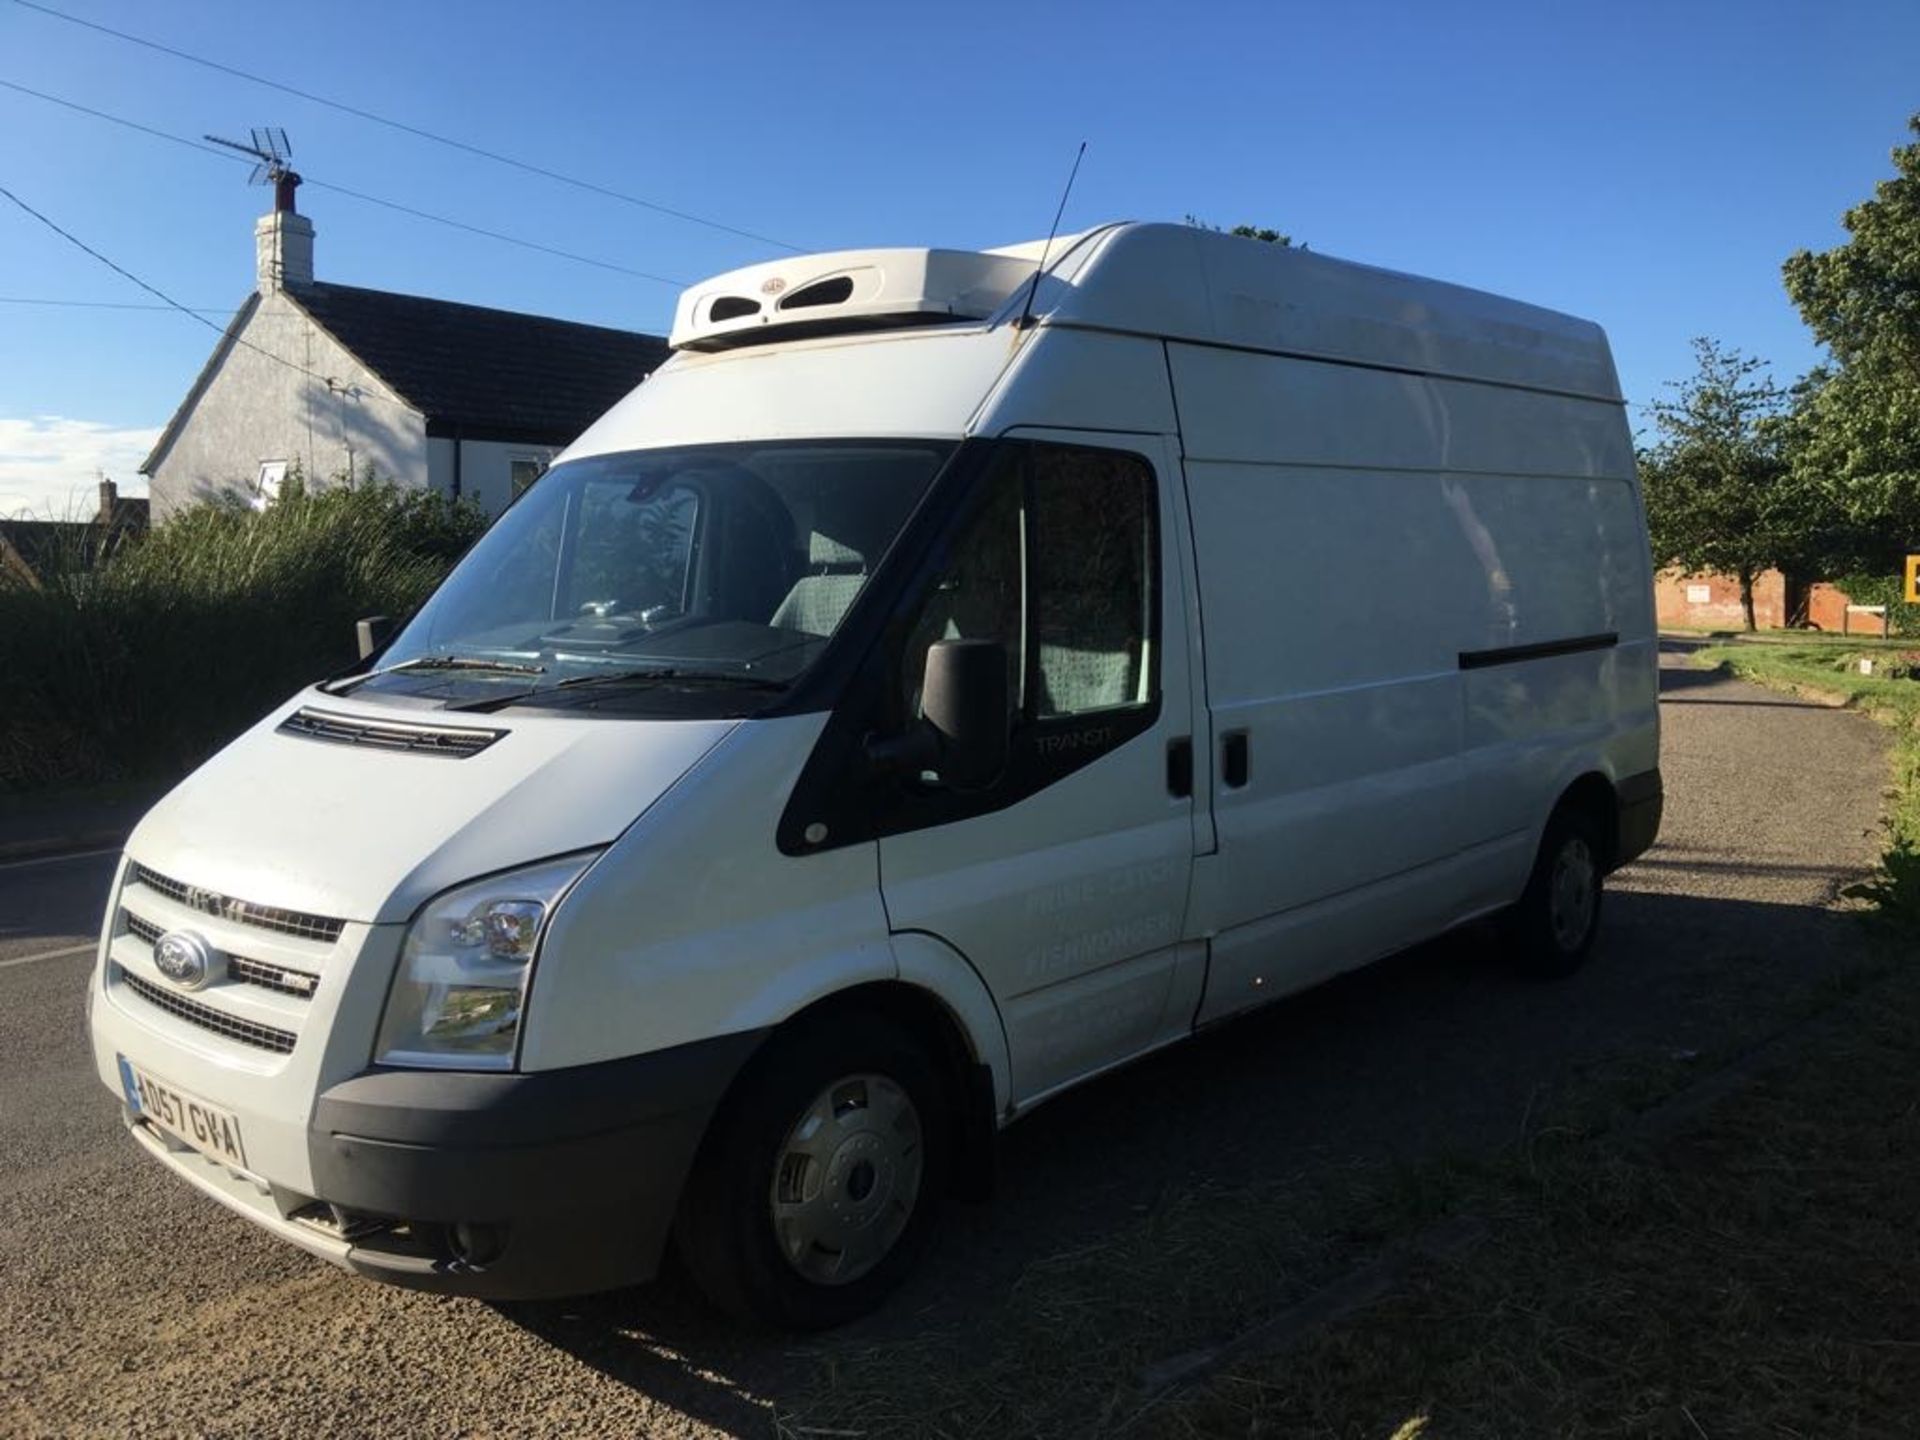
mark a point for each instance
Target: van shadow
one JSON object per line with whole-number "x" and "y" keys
{"x": 1676, "y": 678}
{"x": 1441, "y": 1050}
{"x": 1672, "y": 678}
{"x": 1687, "y": 644}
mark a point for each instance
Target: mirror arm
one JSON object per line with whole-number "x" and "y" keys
{"x": 916, "y": 751}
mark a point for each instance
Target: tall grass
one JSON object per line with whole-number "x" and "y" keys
{"x": 166, "y": 646}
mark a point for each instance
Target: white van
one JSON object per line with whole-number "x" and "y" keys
{"x": 938, "y": 684}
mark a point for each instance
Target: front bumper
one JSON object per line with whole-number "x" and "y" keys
{"x": 519, "y": 1186}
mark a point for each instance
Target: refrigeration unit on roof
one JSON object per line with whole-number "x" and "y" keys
{"x": 848, "y": 290}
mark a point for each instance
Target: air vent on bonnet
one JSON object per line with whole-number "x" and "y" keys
{"x": 455, "y": 744}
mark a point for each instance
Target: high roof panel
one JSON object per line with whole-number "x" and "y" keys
{"x": 1200, "y": 285}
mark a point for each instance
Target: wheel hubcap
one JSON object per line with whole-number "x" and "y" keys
{"x": 846, "y": 1179}
{"x": 1573, "y": 894}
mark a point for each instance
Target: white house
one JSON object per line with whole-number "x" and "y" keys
{"x": 461, "y": 399}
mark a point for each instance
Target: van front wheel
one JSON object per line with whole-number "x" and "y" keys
{"x": 811, "y": 1197}
{"x": 1551, "y": 929}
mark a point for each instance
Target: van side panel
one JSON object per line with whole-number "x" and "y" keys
{"x": 1348, "y": 696}
{"x": 1239, "y": 405}
{"x": 1534, "y": 726}
{"x": 1357, "y": 532}
{"x": 1082, "y": 380}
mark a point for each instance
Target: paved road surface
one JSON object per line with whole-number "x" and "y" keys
{"x": 128, "y": 1304}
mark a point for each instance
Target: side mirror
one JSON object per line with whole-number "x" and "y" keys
{"x": 963, "y": 733}
{"x": 964, "y": 699}
{"x": 371, "y": 633}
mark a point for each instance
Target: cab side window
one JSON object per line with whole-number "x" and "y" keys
{"x": 1091, "y": 513}
{"x": 977, "y": 595}
{"x": 1058, "y": 563}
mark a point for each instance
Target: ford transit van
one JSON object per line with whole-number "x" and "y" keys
{"x": 951, "y": 676}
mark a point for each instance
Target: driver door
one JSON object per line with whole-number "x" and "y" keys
{"x": 1065, "y": 881}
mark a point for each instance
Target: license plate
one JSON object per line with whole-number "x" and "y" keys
{"x": 207, "y": 1128}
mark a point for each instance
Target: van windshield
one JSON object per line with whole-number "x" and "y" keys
{"x": 619, "y": 579}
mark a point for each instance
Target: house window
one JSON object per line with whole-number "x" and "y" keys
{"x": 266, "y": 488}
{"x": 523, "y": 471}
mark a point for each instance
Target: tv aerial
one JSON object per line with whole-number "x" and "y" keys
{"x": 272, "y": 155}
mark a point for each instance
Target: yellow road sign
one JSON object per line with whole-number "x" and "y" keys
{"x": 1910, "y": 591}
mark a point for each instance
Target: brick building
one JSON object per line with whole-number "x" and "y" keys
{"x": 1712, "y": 602}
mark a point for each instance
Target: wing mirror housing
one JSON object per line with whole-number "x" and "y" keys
{"x": 372, "y": 633}
{"x": 963, "y": 734}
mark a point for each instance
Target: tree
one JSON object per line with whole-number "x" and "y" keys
{"x": 1254, "y": 232}
{"x": 1720, "y": 495}
{"x": 1247, "y": 232}
{"x": 1857, "y": 420}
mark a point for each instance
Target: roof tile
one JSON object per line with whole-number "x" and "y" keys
{"x": 500, "y": 372}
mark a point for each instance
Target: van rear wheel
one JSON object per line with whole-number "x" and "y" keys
{"x": 1551, "y": 929}
{"x": 812, "y": 1195}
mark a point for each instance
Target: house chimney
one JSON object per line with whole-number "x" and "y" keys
{"x": 109, "y": 501}
{"x": 283, "y": 248}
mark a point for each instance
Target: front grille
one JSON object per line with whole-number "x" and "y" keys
{"x": 263, "y": 1037}
{"x": 241, "y": 912}
{"x": 298, "y": 983}
{"x": 454, "y": 743}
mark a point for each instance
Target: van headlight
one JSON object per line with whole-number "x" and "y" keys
{"x": 464, "y": 969}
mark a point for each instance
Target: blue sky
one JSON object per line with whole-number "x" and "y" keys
{"x": 1645, "y": 165}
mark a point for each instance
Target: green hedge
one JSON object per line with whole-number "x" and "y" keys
{"x": 149, "y": 659}
{"x": 1903, "y": 619}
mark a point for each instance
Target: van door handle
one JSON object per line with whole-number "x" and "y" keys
{"x": 1235, "y": 764}
{"x": 1180, "y": 767}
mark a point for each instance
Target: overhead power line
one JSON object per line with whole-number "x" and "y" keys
{"x": 225, "y": 331}
{"x": 493, "y": 234}
{"x": 351, "y": 194}
{"x": 109, "y": 304}
{"x": 499, "y": 159}
{"x": 121, "y": 120}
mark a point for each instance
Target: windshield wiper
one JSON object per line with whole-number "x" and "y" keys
{"x": 712, "y": 677}
{"x": 439, "y": 662}
{"x": 626, "y": 677}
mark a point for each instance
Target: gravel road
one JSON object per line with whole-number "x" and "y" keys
{"x": 129, "y": 1305}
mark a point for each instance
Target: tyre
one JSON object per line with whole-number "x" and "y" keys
{"x": 813, "y": 1193}
{"x": 1551, "y": 929}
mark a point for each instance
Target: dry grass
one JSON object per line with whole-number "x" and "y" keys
{"x": 1758, "y": 1276}
{"x": 1066, "y": 1352}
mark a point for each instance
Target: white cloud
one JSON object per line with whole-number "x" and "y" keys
{"x": 49, "y": 465}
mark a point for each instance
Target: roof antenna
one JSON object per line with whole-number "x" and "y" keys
{"x": 271, "y": 151}
{"x": 1026, "y": 311}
